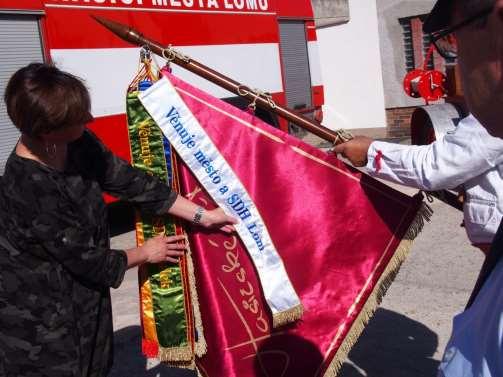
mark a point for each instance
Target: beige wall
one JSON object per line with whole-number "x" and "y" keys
{"x": 392, "y": 49}
{"x": 351, "y": 70}
{"x": 330, "y": 12}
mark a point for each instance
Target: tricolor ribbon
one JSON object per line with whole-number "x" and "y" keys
{"x": 167, "y": 291}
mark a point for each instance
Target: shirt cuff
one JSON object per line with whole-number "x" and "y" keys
{"x": 119, "y": 269}
{"x": 372, "y": 153}
{"x": 375, "y": 156}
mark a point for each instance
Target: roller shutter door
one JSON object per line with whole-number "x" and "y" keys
{"x": 295, "y": 63}
{"x": 20, "y": 44}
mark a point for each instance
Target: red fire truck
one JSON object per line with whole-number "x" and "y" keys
{"x": 265, "y": 44}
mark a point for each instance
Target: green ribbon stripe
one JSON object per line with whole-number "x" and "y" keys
{"x": 148, "y": 153}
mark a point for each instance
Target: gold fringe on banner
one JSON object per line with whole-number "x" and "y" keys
{"x": 200, "y": 346}
{"x": 375, "y": 298}
{"x": 190, "y": 365}
{"x": 174, "y": 355}
{"x": 287, "y": 316}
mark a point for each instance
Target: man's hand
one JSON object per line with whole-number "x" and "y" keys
{"x": 355, "y": 150}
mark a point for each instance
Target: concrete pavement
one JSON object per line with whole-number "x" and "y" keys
{"x": 408, "y": 332}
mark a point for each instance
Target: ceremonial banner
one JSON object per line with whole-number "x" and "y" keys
{"x": 216, "y": 176}
{"x": 340, "y": 234}
{"x": 171, "y": 324}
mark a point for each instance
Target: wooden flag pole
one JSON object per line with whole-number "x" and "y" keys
{"x": 262, "y": 100}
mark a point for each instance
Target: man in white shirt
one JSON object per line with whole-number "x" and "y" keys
{"x": 468, "y": 157}
{"x": 472, "y": 31}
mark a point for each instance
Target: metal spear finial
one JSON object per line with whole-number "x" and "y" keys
{"x": 133, "y": 36}
{"x": 122, "y": 31}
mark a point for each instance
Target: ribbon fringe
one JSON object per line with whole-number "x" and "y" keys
{"x": 375, "y": 298}
{"x": 176, "y": 355}
{"x": 200, "y": 346}
{"x": 287, "y": 316}
{"x": 189, "y": 365}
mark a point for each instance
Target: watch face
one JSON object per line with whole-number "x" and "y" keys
{"x": 198, "y": 215}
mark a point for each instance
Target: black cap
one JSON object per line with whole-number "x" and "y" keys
{"x": 439, "y": 17}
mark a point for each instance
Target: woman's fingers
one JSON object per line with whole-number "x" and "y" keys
{"x": 224, "y": 218}
{"x": 175, "y": 258}
{"x": 170, "y": 239}
{"x": 231, "y": 220}
{"x": 172, "y": 260}
{"x": 174, "y": 253}
{"x": 228, "y": 229}
{"x": 173, "y": 243}
{"x": 176, "y": 246}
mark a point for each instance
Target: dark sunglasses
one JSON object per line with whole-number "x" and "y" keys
{"x": 445, "y": 41}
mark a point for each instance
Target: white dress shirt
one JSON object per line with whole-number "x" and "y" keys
{"x": 475, "y": 348}
{"x": 468, "y": 157}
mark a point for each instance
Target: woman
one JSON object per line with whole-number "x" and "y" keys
{"x": 56, "y": 265}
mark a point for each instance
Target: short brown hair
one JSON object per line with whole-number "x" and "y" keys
{"x": 40, "y": 98}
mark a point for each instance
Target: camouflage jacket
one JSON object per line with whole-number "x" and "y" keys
{"x": 56, "y": 265}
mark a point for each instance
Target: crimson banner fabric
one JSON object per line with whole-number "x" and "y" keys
{"x": 340, "y": 234}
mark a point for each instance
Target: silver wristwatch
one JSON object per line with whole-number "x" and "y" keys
{"x": 198, "y": 215}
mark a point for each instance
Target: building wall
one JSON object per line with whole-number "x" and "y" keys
{"x": 392, "y": 49}
{"x": 351, "y": 70}
{"x": 330, "y": 12}
{"x": 398, "y": 105}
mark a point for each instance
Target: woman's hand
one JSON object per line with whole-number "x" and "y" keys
{"x": 163, "y": 248}
{"x": 216, "y": 218}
